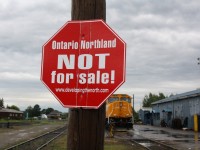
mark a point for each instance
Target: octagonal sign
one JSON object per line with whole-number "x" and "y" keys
{"x": 83, "y": 63}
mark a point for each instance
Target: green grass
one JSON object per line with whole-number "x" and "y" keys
{"x": 110, "y": 144}
{"x": 6, "y": 120}
{"x": 35, "y": 121}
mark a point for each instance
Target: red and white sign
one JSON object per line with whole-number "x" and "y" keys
{"x": 83, "y": 63}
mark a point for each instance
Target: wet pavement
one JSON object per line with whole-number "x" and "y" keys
{"x": 179, "y": 139}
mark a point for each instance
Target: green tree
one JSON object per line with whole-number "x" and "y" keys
{"x": 64, "y": 115}
{"x": 29, "y": 112}
{"x": 49, "y": 110}
{"x": 13, "y": 107}
{"x": 36, "y": 110}
{"x": 43, "y": 111}
{"x": 2, "y": 103}
{"x": 148, "y": 99}
{"x": 135, "y": 115}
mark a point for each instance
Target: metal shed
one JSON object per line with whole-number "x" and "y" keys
{"x": 145, "y": 115}
{"x": 181, "y": 106}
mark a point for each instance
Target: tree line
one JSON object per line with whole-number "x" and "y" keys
{"x": 148, "y": 99}
{"x": 8, "y": 107}
{"x": 36, "y": 111}
{"x": 30, "y": 111}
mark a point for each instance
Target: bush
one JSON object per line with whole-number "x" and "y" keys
{"x": 163, "y": 123}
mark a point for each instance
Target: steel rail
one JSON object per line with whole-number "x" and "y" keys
{"x": 144, "y": 142}
{"x": 150, "y": 144}
{"x": 40, "y": 141}
{"x": 45, "y": 144}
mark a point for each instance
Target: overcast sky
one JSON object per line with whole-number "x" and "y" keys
{"x": 163, "y": 44}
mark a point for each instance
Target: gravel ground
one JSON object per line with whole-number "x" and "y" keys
{"x": 17, "y": 134}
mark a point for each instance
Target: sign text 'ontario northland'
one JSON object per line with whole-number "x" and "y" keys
{"x": 83, "y": 63}
{"x": 99, "y": 43}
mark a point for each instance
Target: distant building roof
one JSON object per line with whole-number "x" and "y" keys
{"x": 10, "y": 110}
{"x": 55, "y": 112}
{"x": 190, "y": 94}
{"x": 146, "y": 108}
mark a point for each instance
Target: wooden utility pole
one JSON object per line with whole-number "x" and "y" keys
{"x": 88, "y": 9}
{"x": 86, "y": 126}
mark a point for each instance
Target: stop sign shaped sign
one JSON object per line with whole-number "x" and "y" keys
{"x": 83, "y": 63}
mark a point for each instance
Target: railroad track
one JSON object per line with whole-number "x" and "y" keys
{"x": 152, "y": 145}
{"x": 39, "y": 142}
{"x": 148, "y": 144}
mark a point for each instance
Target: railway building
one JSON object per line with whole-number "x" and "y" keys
{"x": 145, "y": 115}
{"x": 183, "y": 107}
{"x": 10, "y": 114}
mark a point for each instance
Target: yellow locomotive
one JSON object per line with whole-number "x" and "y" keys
{"x": 119, "y": 111}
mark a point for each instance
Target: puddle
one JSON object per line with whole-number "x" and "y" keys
{"x": 147, "y": 129}
{"x": 182, "y": 136}
{"x": 168, "y": 134}
{"x": 146, "y": 144}
{"x": 22, "y": 134}
{"x": 186, "y": 141}
{"x": 153, "y": 145}
{"x": 31, "y": 132}
{"x": 11, "y": 133}
{"x": 21, "y": 130}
